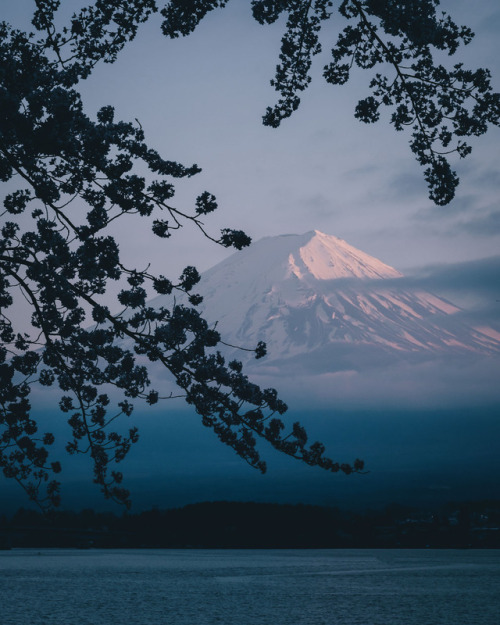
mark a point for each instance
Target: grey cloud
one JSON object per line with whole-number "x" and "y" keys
{"x": 491, "y": 24}
{"x": 318, "y": 206}
{"x": 473, "y": 286}
{"x": 450, "y": 381}
{"x": 478, "y": 276}
{"x": 461, "y": 204}
{"x": 368, "y": 376}
{"x": 357, "y": 172}
{"x": 408, "y": 185}
{"x": 486, "y": 225}
{"x": 488, "y": 178}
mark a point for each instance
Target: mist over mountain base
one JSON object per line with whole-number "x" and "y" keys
{"x": 421, "y": 458}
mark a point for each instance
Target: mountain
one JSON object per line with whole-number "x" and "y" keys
{"x": 315, "y": 295}
{"x": 371, "y": 367}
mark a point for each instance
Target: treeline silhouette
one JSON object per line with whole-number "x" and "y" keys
{"x": 258, "y": 525}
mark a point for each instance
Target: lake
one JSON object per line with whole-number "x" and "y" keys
{"x": 249, "y": 587}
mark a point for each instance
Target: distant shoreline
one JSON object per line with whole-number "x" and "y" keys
{"x": 247, "y": 525}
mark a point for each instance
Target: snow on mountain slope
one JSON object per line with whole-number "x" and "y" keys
{"x": 314, "y": 294}
{"x": 326, "y": 257}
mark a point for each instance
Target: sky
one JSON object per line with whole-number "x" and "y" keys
{"x": 200, "y": 100}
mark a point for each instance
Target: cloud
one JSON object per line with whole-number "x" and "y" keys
{"x": 491, "y": 24}
{"x": 403, "y": 383}
{"x": 487, "y": 224}
{"x": 472, "y": 214}
{"x": 461, "y": 204}
{"x": 478, "y": 279}
{"x": 487, "y": 178}
{"x": 473, "y": 286}
{"x": 367, "y": 376}
{"x": 481, "y": 277}
{"x": 409, "y": 184}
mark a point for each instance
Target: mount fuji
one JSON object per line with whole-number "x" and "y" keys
{"x": 372, "y": 363}
{"x": 318, "y": 302}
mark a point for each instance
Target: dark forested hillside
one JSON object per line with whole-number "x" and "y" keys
{"x": 259, "y": 526}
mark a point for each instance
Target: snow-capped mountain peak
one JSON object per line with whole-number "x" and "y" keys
{"x": 327, "y": 257}
{"x": 314, "y": 295}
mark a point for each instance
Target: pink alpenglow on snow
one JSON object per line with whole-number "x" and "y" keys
{"x": 313, "y": 298}
{"x": 327, "y": 257}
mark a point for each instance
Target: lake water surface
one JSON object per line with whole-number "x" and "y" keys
{"x": 289, "y": 587}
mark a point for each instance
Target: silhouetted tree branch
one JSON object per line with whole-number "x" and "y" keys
{"x": 395, "y": 39}
{"x": 74, "y": 177}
